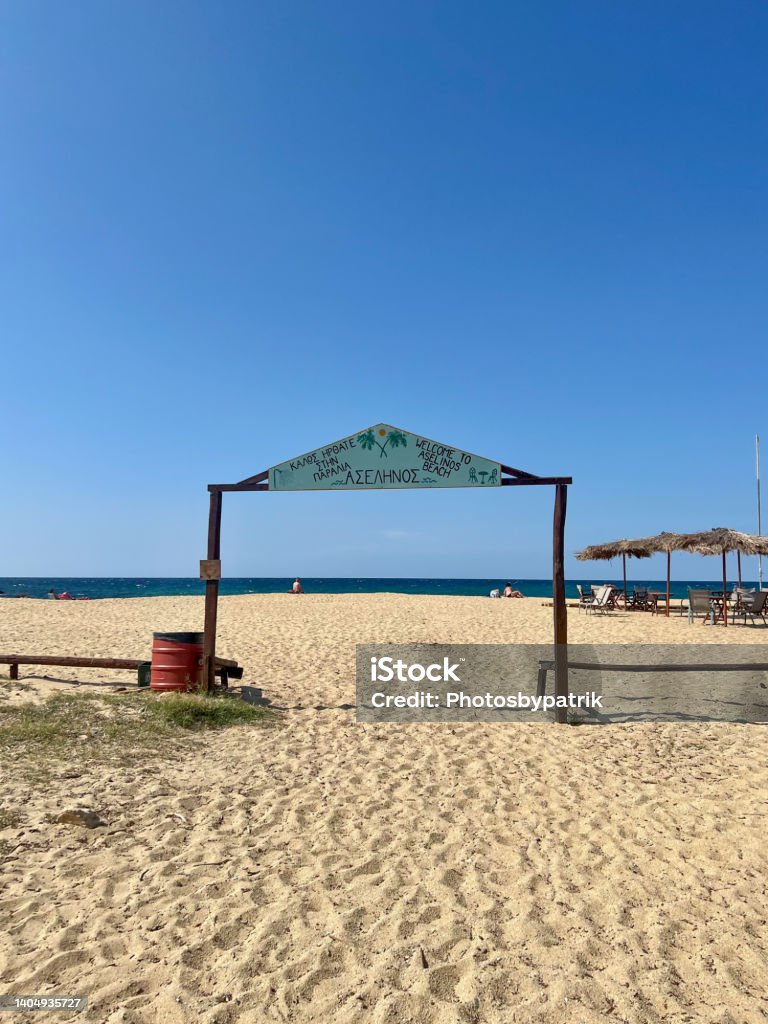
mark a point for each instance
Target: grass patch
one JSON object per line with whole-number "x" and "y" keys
{"x": 87, "y": 729}
{"x": 186, "y": 711}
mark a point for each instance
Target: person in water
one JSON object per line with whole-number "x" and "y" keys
{"x": 297, "y": 587}
{"x": 509, "y": 592}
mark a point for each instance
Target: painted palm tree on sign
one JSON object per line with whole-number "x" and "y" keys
{"x": 394, "y": 438}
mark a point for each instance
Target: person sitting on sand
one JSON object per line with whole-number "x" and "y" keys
{"x": 297, "y": 587}
{"x": 509, "y": 592}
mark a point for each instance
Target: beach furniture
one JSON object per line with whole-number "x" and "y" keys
{"x": 700, "y": 602}
{"x": 601, "y": 602}
{"x": 752, "y": 604}
{"x": 738, "y": 595}
{"x": 625, "y": 548}
{"x": 592, "y": 597}
{"x": 585, "y": 596}
{"x": 615, "y": 597}
{"x": 719, "y": 605}
{"x": 639, "y": 599}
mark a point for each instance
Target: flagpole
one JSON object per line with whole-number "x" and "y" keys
{"x": 759, "y": 523}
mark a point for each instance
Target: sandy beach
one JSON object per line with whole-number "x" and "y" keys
{"x": 328, "y": 871}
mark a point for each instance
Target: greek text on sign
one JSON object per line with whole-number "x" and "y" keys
{"x": 384, "y": 457}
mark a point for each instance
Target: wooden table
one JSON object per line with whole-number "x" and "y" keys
{"x": 719, "y": 605}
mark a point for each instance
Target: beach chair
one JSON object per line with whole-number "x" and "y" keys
{"x": 585, "y": 596}
{"x": 738, "y": 595}
{"x": 700, "y": 603}
{"x": 639, "y": 599}
{"x": 601, "y": 602}
{"x": 752, "y": 604}
{"x": 614, "y": 597}
{"x": 682, "y": 608}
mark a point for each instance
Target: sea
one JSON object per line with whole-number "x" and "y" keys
{"x": 100, "y": 587}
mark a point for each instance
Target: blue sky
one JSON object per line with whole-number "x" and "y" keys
{"x": 235, "y": 231}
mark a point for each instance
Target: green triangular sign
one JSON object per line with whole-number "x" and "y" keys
{"x": 383, "y": 457}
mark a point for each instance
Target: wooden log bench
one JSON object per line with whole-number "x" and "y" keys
{"x": 226, "y": 669}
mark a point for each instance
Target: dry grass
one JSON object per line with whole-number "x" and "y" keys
{"x": 89, "y": 729}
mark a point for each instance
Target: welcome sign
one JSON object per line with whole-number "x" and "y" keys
{"x": 381, "y": 457}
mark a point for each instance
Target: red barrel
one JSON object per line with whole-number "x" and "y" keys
{"x": 177, "y": 661}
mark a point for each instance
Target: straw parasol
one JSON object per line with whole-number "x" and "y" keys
{"x": 612, "y": 549}
{"x": 720, "y": 541}
{"x": 668, "y": 542}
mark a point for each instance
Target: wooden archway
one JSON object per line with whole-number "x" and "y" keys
{"x": 417, "y": 462}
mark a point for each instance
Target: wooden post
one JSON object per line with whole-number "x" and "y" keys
{"x": 541, "y": 680}
{"x": 669, "y": 568}
{"x": 212, "y": 593}
{"x": 725, "y": 592}
{"x": 560, "y": 612}
{"x": 624, "y": 563}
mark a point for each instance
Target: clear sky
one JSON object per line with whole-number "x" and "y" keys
{"x": 233, "y": 231}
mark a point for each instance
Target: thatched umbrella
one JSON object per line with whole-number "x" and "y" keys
{"x": 719, "y": 541}
{"x": 664, "y": 541}
{"x": 606, "y": 552}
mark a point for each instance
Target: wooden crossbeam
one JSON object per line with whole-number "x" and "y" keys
{"x": 532, "y": 481}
